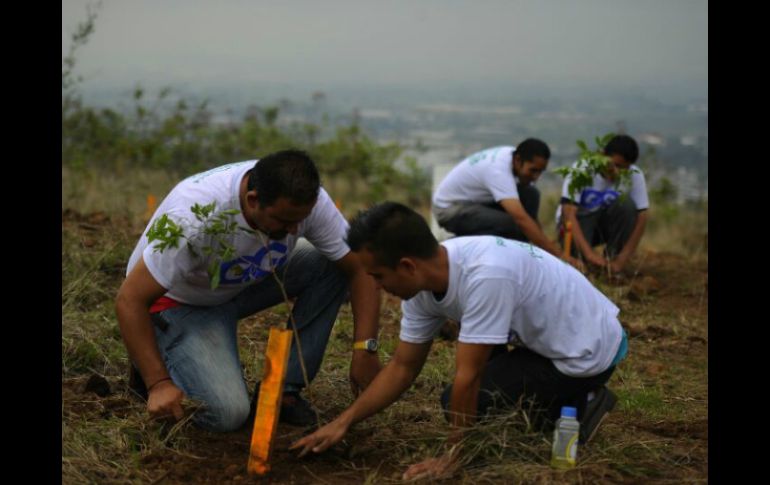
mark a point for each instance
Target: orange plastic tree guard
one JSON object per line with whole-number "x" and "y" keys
{"x": 567, "y": 238}
{"x": 152, "y": 203}
{"x": 269, "y": 403}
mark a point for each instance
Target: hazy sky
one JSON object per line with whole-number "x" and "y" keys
{"x": 623, "y": 43}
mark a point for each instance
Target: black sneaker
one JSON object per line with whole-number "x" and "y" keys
{"x": 297, "y": 411}
{"x": 596, "y": 411}
{"x": 294, "y": 409}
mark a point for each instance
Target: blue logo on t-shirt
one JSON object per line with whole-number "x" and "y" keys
{"x": 248, "y": 268}
{"x": 593, "y": 199}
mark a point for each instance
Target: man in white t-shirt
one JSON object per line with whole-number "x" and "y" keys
{"x": 493, "y": 192}
{"x": 566, "y": 334}
{"x": 608, "y": 213}
{"x": 179, "y": 319}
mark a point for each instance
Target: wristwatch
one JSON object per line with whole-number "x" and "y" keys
{"x": 370, "y": 345}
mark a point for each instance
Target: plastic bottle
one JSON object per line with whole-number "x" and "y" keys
{"x": 565, "y": 439}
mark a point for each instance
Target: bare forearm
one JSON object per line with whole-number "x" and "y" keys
{"x": 471, "y": 360}
{"x": 365, "y": 300}
{"x": 386, "y": 387}
{"x": 537, "y": 237}
{"x": 582, "y": 244}
{"x": 384, "y": 390}
{"x": 464, "y": 407}
{"x": 528, "y": 226}
{"x": 139, "y": 337}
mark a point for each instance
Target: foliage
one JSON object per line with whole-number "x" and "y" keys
{"x": 170, "y": 132}
{"x": 591, "y": 163}
{"x": 218, "y": 226}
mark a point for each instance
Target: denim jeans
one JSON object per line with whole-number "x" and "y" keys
{"x": 199, "y": 344}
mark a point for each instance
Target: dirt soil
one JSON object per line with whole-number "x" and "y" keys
{"x": 663, "y": 305}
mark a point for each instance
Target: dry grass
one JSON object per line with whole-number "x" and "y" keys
{"x": 657, "y": 434}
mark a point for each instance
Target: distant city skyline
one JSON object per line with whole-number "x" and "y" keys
{"x": 453, "y": 76}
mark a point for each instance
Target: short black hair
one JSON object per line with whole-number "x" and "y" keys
{"x": 624, "y": 146}
{"x": 391, "y": 231}
{"x": 287, "y": 173}
{"x": 531, "y": 148}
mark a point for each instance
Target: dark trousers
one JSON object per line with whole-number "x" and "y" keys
{"x": 489, "y": 219}
{"x": 521, "y": 373}
{"x": 610, "y": 225}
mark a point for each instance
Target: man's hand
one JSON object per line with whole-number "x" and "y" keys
{"x": 165, "y": 401}
{"x": 617, "y": 265}
{"x": 363, "y": 368}
{"x": 576, "y": 263}
{"x": 436, "y": 468}
{"x": 323, "y": 438}
{"x": 594, "y": 259}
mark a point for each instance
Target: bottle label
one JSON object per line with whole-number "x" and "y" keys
{"x": 571, "y": 451}
{"x": 565, "y": 444}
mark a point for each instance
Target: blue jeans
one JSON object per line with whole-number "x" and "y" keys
{"x": 199, "y": 344}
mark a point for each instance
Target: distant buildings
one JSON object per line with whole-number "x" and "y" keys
{"x": 653, "y": 139}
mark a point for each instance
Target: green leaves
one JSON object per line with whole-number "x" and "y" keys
{"x": 214, "y": 271}
{"x": 591, "y": 163}
{"x": 219, "y": 227}
{"x": 202, "y": 211}
{"x": 606, "y": 139}
{"x": 166, "y": 232}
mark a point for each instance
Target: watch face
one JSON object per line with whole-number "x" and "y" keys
{"x": 371, "y": 345}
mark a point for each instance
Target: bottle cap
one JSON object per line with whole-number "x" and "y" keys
{"x": 568, "y": 412}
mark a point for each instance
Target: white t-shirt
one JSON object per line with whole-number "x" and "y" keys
{"x": 483, "y": 177}
{"x": 602, "y": 192}
{"x": 185, "y": 275}
{"x": 504, "y": 291}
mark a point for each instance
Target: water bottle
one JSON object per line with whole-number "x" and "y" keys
{"x": 565, "y": 439}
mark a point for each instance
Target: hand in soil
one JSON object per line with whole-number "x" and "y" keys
{"x": 442, "y": 467}
{"x": 165, "y": 401}
{"x": 322, "y": 439}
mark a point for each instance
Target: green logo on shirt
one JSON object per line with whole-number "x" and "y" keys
{"x": 530, "y": 248}
{"x": 476, "y": 158}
